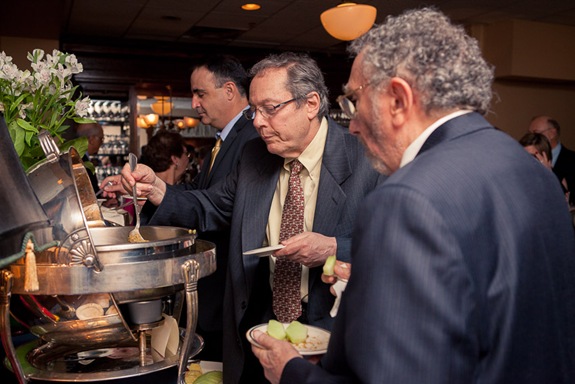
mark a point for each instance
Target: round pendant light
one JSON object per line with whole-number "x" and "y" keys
{"x": 348, "y": 21}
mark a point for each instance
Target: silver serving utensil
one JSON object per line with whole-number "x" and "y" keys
{"x": 109, "y": 183}
{"x": 135, "y": 236}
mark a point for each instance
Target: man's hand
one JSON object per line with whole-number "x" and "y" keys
{"x": 148, "y": 185}
{"x": 342, "y": 271}
{"x": 273, "y": 355}
{"x": 308, "y": 248}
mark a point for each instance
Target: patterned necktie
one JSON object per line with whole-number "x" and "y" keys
{"x": 287, "y": 274}
{"x": 215, "y": 151}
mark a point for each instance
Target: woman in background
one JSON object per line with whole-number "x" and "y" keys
{"x": 539, "y": 147}
{"x": 167, "y": 155}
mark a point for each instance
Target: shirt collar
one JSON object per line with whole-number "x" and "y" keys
{"x": 555, "y": 154}
{"x": 413, "y": 148}
{"x": 224, "y": 132}
{"x": 312, "y": 155}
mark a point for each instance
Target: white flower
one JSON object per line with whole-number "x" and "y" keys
{"x": 44, "y": 98}
{"x": 82, "y": 106}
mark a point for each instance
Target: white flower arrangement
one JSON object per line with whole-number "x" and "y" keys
{"x": 44, "y": 99}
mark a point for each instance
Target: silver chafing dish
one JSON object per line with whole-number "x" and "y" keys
{"x": 98, "y": 295}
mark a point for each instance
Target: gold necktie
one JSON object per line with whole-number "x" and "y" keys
{"x": 215, "y": 151}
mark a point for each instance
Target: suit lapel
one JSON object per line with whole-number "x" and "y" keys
{"x": 260, "y": 191}
{"x": 226, "y": 144}
{"x": 335, "y": 170}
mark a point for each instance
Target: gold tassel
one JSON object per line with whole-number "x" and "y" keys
{"x": 31, "y": 277}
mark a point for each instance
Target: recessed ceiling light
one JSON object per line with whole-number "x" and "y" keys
{"x": 251, "y": 7}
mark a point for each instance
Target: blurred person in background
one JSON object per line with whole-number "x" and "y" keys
{"x": 539, "y": 147}
{"x": 95, "y": 135}
{"x": 167, "y": 154}
{"x": 563, "y": 158}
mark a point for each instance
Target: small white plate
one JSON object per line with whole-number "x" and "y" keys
{"x": 265, "y": 251}
{"x": 89, "y": 311}
{"x": 315, "y": 344}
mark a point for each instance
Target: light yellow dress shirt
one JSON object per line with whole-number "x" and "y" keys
{"x": 311, "y": 161}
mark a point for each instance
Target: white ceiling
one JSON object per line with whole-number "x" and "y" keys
{"x": 279, "y": 24}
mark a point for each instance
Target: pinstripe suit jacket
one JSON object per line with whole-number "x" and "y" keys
{"x": 463, "y": 267}
{"x": 243, "y": 201}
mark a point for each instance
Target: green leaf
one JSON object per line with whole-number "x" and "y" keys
{"x": 26, "y": 126}
{"x": 80, "y": 144}
{"x": 90, "y": 166}
{"x": 82, "y": 120}
{"x": 28, "y": 137}
{"x": 17, "y": 136}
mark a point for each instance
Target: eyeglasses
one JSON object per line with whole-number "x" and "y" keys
{"x": 266, "y": 111}
{"x": 348, "y": 106}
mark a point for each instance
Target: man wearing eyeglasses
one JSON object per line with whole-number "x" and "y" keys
{"x": 289, "y": 107}
{"x": 463, "y": 260}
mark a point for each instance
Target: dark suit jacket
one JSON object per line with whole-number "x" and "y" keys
{"x": 565, "y": 169}
{"x": 211, "y": 288}
{"x": 244, "y": 200}
{"x": 463, "y": 265}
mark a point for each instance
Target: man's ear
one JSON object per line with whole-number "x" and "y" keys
{"x": 313, "y": 104}
{"x": 229, "y": 88}
{"x": 403, "y": 98}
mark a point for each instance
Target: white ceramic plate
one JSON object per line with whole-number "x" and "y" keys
{"x": 315, "y": 344}
{"x": 265, "y": 251}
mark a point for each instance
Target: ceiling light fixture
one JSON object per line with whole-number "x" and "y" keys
{"x": 251, "y": 7}
{"x": 148, "y": 121}
{"x": 191, "y": 122}
{"x": 348, "y": 21}
{"x": 162, "y": 106}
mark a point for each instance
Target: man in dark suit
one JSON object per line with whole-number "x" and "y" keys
{"x": 563, "y": 159}
{"x": 463, "y": 260}
{"x": 220, "y": 93}
{"x": 289, "y": 105}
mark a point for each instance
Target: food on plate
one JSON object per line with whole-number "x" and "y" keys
{"x": 276, "y": 330}
{"x": 296, "y": 332}
{"x": 194, "y": 371}
{"x": 211, "y": 377}
{"x": 329, "y": 266}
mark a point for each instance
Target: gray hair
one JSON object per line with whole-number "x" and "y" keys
{"x": 437, "y": 58}
{"x": 303, "y": 77}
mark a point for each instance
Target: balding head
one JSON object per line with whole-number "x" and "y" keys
{"x": 95, "y": 135}
{"x": 546, "y": 126}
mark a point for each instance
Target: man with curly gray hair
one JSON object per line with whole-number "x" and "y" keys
{"x": 456, "y": 276}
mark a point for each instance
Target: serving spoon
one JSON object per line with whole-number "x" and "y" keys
{"x": 135, "y": 236}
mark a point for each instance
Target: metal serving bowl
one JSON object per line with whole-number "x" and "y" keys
{"x": 139, "y": 269}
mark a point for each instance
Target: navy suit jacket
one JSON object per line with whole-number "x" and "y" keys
{"x": 463, "y": 265}
{"x": 565, "y": 169}
{"x": 244, "y": 199}
{"x": 211, "y": 288}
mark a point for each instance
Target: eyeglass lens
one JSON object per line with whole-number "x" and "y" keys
{"x": 346, "y": 106}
